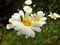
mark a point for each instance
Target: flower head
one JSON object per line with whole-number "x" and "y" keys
{"x": 23, "y": 25}
{"x": 27, "y": 9}
{"x": 28, "y": 2}
{"x": 54, "y": 16}
{"x": 9, "y": 26}
{"x": 39, "y": 19}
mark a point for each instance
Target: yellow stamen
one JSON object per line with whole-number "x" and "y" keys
{"x": 36, "y": 19}
{"x": 53, "y": 16}
{"x": 26, "y": 21}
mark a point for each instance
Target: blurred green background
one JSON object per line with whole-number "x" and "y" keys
{"x": 50, "y": 34}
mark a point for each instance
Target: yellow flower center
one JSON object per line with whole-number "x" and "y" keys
{"x": 53, "y": 16}
{"x": 26, "y": 21}
{"x": 36, "y": 19}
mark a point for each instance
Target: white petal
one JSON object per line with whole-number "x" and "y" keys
{"x": 23, "y": 31}
{"x": 49, "y": 15}
{"x": 58, "y": 16}
{"x": 21, "y": 13}
{"x": 42, "y": 23}
{"x": 38, "y": 24}
{"x": 37, "y": 29}
{"x": 29, "y": 32}
{"x": 16, "y": 16}
{"x": 44, "y": 18}
{"x": 10, "y": 20}
{"x": 17, "y": 25}
{"x": 40, "y": 13}
{"x": 27, "y": 14}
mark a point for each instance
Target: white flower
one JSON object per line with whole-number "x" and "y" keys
{"x": 54, "y": 16}
{"x": 39, "y": 19}
{"x": 27, "y": 9}
{"x": 28, "y": 2}
{"x": 24, "y": 26}
{"x": 9, "y": 26}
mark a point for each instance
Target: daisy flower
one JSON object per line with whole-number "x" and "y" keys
{"x": 54, "y": 16}
{"x": 23, "y": 25}
{"x": 39, "y": 19}
{"x": 27, "y": 9}
{"x": 28, "y": 2}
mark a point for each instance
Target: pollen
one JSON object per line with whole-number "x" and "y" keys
{"x": 36, "y": 19}
{"x": 26, "y": 21}
{"x": 53, "y": 16}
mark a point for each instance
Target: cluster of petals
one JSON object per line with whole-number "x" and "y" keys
{"x": 26, "y": 24}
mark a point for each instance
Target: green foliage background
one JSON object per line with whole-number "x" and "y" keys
{"x": 50, "y": 34}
